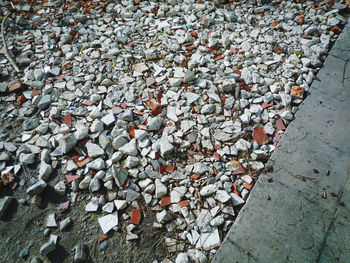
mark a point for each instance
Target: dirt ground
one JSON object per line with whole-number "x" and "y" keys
{"x": 24, "y": 226}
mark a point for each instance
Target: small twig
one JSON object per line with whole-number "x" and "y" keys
{"x": 343, "y": 76}
{"x": 25, "y": 170}
{"x": 12, "y": 62}
{"x": 156, "y": 244}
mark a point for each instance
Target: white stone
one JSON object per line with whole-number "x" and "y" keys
{"x": 186, "y": 125}
{"x": 108, "y": 222}
{"x": 161, "y": 189}
{"x": 182, "y": 258}
{"x": 120, "y": 204}
{"x": 166, "y": 147}
{"x": 177, "y": 193}
{"x": 92, "y": 206}
{"x": 154, "y": 124}
{"x": 208, "y": 190}
{"x": 222, "y": 196}
{"x": 129, "y": 148}
{"x": 163, "y": 216}
{"x": 44, "y": 171}
{"x": 209, "y": 241}
{"x": 94, "y": 150}
{"x": 51, "y": 220}
{"x": 236, "y": 200}
{"x": 108, "y": 119}
{"x": 242, "y": 145}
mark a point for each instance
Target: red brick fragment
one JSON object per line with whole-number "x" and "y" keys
{"x": 83, "y": 162}
{"x": 87, "y": 102}
{"x": 183, "y": 203}
{"x": 67, "y": 119}
{"x": 277, "y": 137}
{"x": 135, "y": 216}
{"x": 161, "y": 169}
{"x": 248, "y": 186}
{"x": 21, "y": 99}
{"x": 101, "y": 238}
{"x": 35, "y": 92}
{"x": 260, "y": 135}
{"x": 15, "y": 86}
{"x": 165, "y": 201}
{"x": 234, "y": 189}
{"x": 195, "y": 176}
{"x": 266, "y": 105}
{"x": 218, "y": 57}
{"x": 280, "y": 125}
{"x": 240, "y": 170}
{"x": 70, "y": 177}
{"x": 336, "y": 29}
{"x": 169, "y": 169}
{"x": 191, "y": 47}
{"x": 64, "y": 206}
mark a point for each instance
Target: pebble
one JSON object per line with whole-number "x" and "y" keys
{"x": 79, "y": 253}
{"x": 208, "y": 190}
{"x": 5, "y": 204}
{"x": 36, "y": 188}
{"x": 49, "y": 246}
{"x": 66, "y": 143}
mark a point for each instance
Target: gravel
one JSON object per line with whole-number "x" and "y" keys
{"x": 151, "y": 102}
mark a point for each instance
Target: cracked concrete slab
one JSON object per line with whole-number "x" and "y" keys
{"x": 300, "y": 212}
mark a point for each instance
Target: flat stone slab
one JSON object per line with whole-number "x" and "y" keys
{"x": 300, "y": 211}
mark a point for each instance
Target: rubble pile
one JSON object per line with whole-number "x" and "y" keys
{"x": 171, "y": 106}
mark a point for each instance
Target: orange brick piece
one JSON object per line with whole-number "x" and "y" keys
{"x": 297, "y": 91}
{"x": 165, "y": 201}
{"x": 135, "y": 216}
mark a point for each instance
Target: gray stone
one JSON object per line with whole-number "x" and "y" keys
{"x": 209, "y": 240}
{"x": 64, "y": 224}
{"x": 222, "y": 136}
{"x": 67, "y": 142}
{"x": 177, "y": 193}
{"x": 60, "y": 188}
{"x": 45, "y": 171}
{"x": 5, "y": 203}
{"x": 222, "y": 196}
{"x": 189, "y": 76}
{"x": 95, "y": 185}
{"x": 44, "y": 102}
{"x": 81, "y": 132}
{"x": 208, "y": 109}
{"x": 30, "y": 124}
{"x": 182, "y": 258}
{"x": 49, "y": 246}
{"x": 154, "y": 124}
{"x": 161, "y": 189}
{"x": 27, "y": 158}
{"x": 208, "y": 190}
{"x": 129, "y": 148}
{"x": 94, "y": 150}
{"x": 36, "y": 188}
{"x": 120, "y": 175}
{"x": 108, "y": 222}
{"x": 163, "y": 216}
{"x": 97, "y": 164}
{"x": 132, "y": 195}
{"x": 166, "y": 147}
{"x": 79, "y": 253}
{"x": 108, "y": 119}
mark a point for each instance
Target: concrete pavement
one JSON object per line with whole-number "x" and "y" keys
{"x": 300, "y": 212}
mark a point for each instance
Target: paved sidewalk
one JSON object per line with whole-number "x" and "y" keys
{"x": 307, "y": 216}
